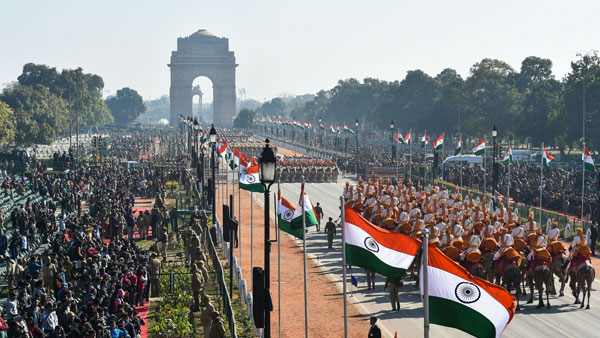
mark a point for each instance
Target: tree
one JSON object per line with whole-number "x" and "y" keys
{"x": 7, "y": 124}
{"x": 126, "y": 106}
{"x": 244, "y": 119}
{"x": 39, "y": 114}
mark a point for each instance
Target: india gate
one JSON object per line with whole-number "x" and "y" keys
{"x": 203, "y": 54}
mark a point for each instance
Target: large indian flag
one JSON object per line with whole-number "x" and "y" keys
{"x": 546, "y": 158}
{"x": 309, "y": 211}
{"x": 588, "y": 161}
{"x": 223, "y": 150}
{"x": 371, "y": 247}
{"x": 249, "y": 180}
{"x": 424, "y": 140}
{"x": 399, "y": 137}
{"x": 348, "y": 129}
{"x": 458, "y": 299}
{"x": 285, "y": 216}
{"x": 479, "y": 149}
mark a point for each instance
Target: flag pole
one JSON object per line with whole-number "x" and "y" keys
{"x": 460, "y": 162}
{"x": 240, "y": 217}
{"x": 424, "y": 142}
{"x": 304, "y": 255}
{"x": 582, "y": 181}
{"x": 425, "y": 243}
{"x": 344, "y": 266}
{"x": 278, "y": 259}
{"x": 410, "y": 152}
{"x": 508, "y": 181}
{"x": 484, "y": 169}
{"x": 542, "y": 180}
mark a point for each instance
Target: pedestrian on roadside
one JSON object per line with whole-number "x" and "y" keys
{"x": 395, "y": 286}
{"x": 330, "y": 231}
{"x": 370, "y": 279}
{"x": 319, "y": 212}
{"x": 593, "y": 237}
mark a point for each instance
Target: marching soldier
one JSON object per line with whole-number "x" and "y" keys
{"x": 319, "y": 212}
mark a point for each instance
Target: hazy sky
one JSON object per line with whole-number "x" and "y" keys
{"x": 291, "y": 47}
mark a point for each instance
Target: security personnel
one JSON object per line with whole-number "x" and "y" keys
{"x": 330, "y": 231}
{"x": 374, "y": 331}
{"x": 395, "y": 286}
{"x": 319, "y": 212}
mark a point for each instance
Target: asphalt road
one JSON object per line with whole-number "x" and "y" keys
{"x": 564, "y": 319}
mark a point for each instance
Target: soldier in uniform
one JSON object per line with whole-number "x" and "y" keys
{"x": 395, "y": 286}
{"x": 370, "y": 279}
{"x": 319, "y": 212}
{"x": 197, "y": 286}
{"x": 154, "y": 272}
{"x": 330, "y": 231}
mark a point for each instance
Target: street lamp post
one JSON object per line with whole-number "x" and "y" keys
{"x": 267, "y": 168}
{"x": 213, "y": 141}
{"x": 494, "y": 165}
{"x": 356, "y": 159}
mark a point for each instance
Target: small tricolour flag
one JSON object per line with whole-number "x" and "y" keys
{"x": 508, "y": 156}
{"x": 479, "y": 149}
{"x": 371, "y": 247}
{"x": 250, "y": 180}
{"x": 332, "y": 128}
{"x": 424, "y": 140}
{"x": 406, "y": 139}
{"x": 347, "y": 129}
{"x": 458, "y": 299}
{"x": 588, "y": 161}
{"x": 439, "y": 142}
{"x": 458, "y": 149}
{"x": 546, "y": 157}
{"x": 223, "y": 150}
{"x": 399, "y": 137}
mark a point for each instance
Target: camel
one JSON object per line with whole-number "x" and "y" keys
{"x": 511, "y": 278}
{"x": 557, "y": 268}
{"x": 585, "y": 274}
{"x": 541, "y": 276}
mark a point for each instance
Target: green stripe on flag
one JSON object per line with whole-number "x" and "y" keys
{"x": 367, "y": 260}
{"x": 252, "y": 187}
{"x": 292, "y": 229}
{"x": 454, "y": 314}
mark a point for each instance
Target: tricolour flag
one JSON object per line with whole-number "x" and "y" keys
{"x": 507, "y": 159}
{"x": 309, "y": 211}
{"x": 285, "y": 216}
{"x": 459, "y": 300}
{"x": 399, "y": 137}
{"x": 588, "y": 161}
{"x": 250, "y": 180}
{"x": 339, "y": 130}
{"x": 223, "y": 150}
{"x": 243, "y": 160}
{"x": 347, "y": 129}
{"x": 373, "y": 248}
{"x": 424, "y": 140}
{"x": 406, "y": 139}
{"x": 439, "y": 142}
{"x": 546, "y": 157}
{"x": 479, "y": 149}
{"x": 458, "y": 149}
{"x": 332, "y": 128}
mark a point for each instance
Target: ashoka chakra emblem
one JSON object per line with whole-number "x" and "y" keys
{"x": 371, "y": 244}
{"x": 467, "y": 292}
{"x": 243, "y": 171}
{"x": 250, "y": 179}
{"x": 288, "y": 215}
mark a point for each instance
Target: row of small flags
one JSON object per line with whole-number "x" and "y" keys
{"x": 478, "y": 150}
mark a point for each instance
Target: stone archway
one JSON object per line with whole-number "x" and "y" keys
{"x": 203, "y": 54}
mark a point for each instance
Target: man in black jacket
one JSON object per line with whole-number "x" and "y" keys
{"x": 374, "y": 331}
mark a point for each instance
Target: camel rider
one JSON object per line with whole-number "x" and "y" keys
{"x": 518, "y": 235}
{"x": 506, "y": 242}
{"x": 457, "y": 233}
{"x": 530, "y": 227}
{"x": 539, "y": 255}
{"x": 497, "y": 227}
{"x": 447, "y": 238}
{"x": 404, "y": 223}
{"x": 434, "y": 239}
{"x": 554, "y": 246}
{"x": 472, "y": 254}
{"x": 579, "y": 252}
{"x": 489, "y": 243}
